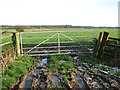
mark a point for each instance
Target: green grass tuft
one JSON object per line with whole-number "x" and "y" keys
{"x": 17, "y": 69}
{"x": 57, "y": 65}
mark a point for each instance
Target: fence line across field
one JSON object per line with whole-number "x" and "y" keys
{"x": 59, "y": 34}
{"x": 56, "y": 32}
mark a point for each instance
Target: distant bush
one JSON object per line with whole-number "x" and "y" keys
{"x": 5, "y": 32}
{"x": 19, "y": 29}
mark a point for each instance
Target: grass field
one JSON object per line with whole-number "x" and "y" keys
{"x": 28, "y": 37}
{"x": 113, "y": 32}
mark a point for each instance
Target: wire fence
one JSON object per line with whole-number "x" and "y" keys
{"x": 7, "y": 55}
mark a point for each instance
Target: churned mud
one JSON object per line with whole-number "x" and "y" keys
{"x": 82, "y": 76}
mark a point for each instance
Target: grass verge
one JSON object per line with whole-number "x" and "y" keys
{"x": 16, "y": 70}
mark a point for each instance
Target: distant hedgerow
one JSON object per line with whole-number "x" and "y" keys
{"x": 19, "y": 29}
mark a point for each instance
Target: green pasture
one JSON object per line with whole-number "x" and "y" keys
{"x": 40, "y": 37}
{"x": 112, "y": 33}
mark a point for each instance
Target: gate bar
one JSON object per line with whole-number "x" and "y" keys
{"x": 58, "y": 42}
{"x": 57, "y": 46}
{"x": 60, "y": 50}
{"x": 70, "y": 38}
{"x": 59, "y": 54}
{"x": 56, "y": 37}
{"x": 21, "y": 44}
{"x": 40, "y": 43}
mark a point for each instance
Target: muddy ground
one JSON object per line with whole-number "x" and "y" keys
{"x": 83, "y": 75}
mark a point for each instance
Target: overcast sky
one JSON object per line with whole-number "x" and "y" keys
{"x": 59, "y": 12}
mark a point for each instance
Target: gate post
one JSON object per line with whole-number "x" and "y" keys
{"x": 97, "y": 47}
{"x": 17, "y": 43}
{"x": 13, "y": 39}
{"x": 102, "y": 45}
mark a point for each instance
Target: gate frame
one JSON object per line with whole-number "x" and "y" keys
{"x": 58, "y": 52}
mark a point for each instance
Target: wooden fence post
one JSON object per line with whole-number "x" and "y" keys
{"x": 13, "y": 39}
{"x": 17, "y": 44}
{"x": 102, "y": 45}
{"x": 14, "y": 44}
{"x": 97, "y": 47}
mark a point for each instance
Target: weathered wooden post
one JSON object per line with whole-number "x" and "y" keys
{"x": 17, "y": 43}
{"x": 14, "y": 45}
{"x": 102, "y": 45}
{"x": 15, "y": 39}
{"x": 97, "y": 47}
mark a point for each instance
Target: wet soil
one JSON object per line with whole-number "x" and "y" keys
{"x": 82, "y": 76}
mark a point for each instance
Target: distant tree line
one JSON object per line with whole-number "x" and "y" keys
{"x": 48, "y": 26}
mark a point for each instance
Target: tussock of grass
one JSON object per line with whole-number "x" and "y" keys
{"x": 57, "y": 65}
{"x": 17, "y": 69}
